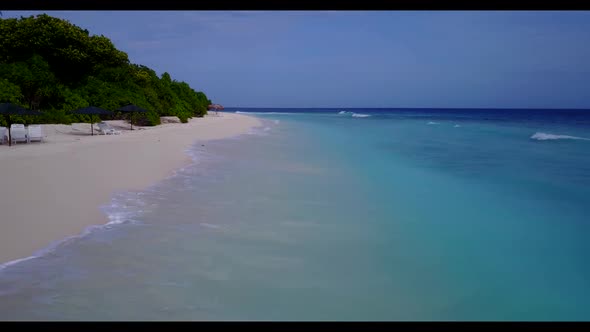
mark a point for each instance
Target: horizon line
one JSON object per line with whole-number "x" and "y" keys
{"x": 439, "y": 108}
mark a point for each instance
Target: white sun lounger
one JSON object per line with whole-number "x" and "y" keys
{"x": 18, "y": 133}
{"x": 102, "y": 129}
{"x": 106, "y": 129}
{"x": 35, "y": 133}
{"x": 115, "y": 131}
{"x": 3, "y": 135}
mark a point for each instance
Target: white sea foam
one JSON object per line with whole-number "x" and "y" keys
{"x": 59, "y": 243}
{"x": 539, "y": 136}
{"x": 432, "y": 123}
{"x": 354, "y": 115}
{"x": 456, "y": 126}
{"x": 258, "y": 131}
{"x": 7, "y": 264}
{"x": 193, "y": 153}
{"x": 124, "y": 209}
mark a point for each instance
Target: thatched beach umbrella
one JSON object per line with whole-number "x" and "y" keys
{"x": 8, "y": 109}
{"x": 92, "y": 110}
{"x": 215, "y": 107}
{"x": 131, "y": 109}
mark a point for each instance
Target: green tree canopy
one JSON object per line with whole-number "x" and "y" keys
{"x": 51, "y": 65}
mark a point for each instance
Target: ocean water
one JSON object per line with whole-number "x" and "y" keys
{"x": 333, "y": 214}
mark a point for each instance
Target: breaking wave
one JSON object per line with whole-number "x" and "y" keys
{"x": 354, "y": 115}
{"x": 548, "y": 137}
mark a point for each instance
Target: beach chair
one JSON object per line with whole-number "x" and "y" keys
{"x": 35, "y": 133}
{"x": 113, "y": 130}
{"x": 107, "y": 128}
{"x": 101, "y": 128}
{"x": 3, "y": 135}
{"x": 18, "y": 133}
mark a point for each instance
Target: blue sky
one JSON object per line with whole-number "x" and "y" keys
{"x": 360, "y": 58}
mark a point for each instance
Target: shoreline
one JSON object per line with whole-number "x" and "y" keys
{"x": 54, "y": 190}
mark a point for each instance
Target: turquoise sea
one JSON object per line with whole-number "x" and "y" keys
{"x": 340, "y": 214}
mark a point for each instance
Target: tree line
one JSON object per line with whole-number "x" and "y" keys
{"x": 53, "y": 66}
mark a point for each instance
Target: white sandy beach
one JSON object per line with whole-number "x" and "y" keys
{"x": 54, "y": 189}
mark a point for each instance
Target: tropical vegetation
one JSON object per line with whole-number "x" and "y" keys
{"x": 53, "y": 66}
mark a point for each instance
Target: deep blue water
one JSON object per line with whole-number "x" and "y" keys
{"x": 342, "y": 214}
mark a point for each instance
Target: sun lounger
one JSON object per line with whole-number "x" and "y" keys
{"x": 18, "y": 133}
{"x": 35, "y": 133}
{"x": 106, "y": 129}
{"x": 113, "y": 130}
{"x": 101, "y": 128}
{"x": 3, "y": 135}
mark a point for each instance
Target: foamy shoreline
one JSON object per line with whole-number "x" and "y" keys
{"x": 54, "y": 190}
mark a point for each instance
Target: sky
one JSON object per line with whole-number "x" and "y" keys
{"x": 504, "y": 59}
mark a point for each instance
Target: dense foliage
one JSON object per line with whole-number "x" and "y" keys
{"x": 51, "y": 65}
